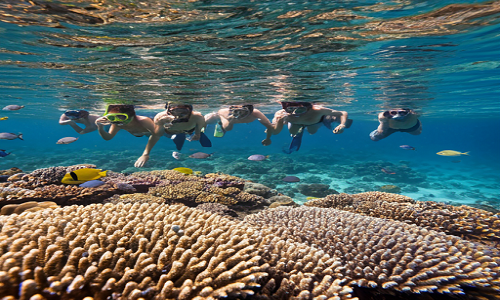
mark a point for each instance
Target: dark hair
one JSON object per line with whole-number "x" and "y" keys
{"x": 286, "y": 104}
{"x": 121, "y": 108}
{"x": 247, "y": 106}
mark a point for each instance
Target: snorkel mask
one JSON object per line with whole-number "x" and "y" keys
{"x": 396, "y": 113}
{"x": 296, "y": 108}
{"x": 240, "y": 111}
{"x": 118, "y": 118}
{"x": 181, "y": 112}
{"x": 76, "y": 114}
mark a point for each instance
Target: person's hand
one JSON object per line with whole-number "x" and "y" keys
{"x": 266, "y": 142}
{"x": 163, "y": 118}
{"x": 102, "y": 121}
{"x": 339, "y": 129}
{"x": 141, "y": 161}
{"x": 195, "y": 137}
{"x": 66, "y": 122}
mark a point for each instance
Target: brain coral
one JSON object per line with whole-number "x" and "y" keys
{"x": 155, "y": 251}
{"x": 387, "y": 254}
{"x": 464, "y": 221}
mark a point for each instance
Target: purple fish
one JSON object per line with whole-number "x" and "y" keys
{"x": 257, "y": 157}
{"x": 291, "y": 179}
{"x": 200, "y": 155}
{"x": 13, "y": 107}
{"x": 407, "y": 147}
{"x": 92, "y": 184}
{"x": 67, "y": 140}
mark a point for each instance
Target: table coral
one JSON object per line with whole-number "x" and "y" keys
{"x": 464, "y": 221}
{"x": 155, "y": 251}
{"x": 387, "y": 254}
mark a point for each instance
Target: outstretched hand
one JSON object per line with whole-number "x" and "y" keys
{"x": 339, "y": 129}
{"x": 141, "y": 161}
{"x": 266, "y": 142}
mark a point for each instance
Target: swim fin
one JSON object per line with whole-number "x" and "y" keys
{"x": 296, "y": 142}
{"x": 219, "y": 131}
{"x": 204, "y": 141}
{"x": 179, "y": 140}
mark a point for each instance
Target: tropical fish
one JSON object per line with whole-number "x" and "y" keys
{"x": 311, "y": 198}
{"x": 4, "y": 118}
{"x": 183, "y": 170}
{"x": 258, "y": 157}
{"x": 67, "y": 140}
{"x": 407, "y": 147}
{"x": 177, "y": 155}
{"x": 3, "y": 153}
{"x": 92, "y": 183}
{"x": 387, "y": 171}
{"x": 13, "y": 107}
{"x": 200, "y": 155}
{"x": 451, "y": 153}
{"x": 10, "y": 136}
{"x": 291, "y": 179}
{"x": 83, "y": 175}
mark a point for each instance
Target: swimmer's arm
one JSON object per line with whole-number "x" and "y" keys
{"x": 264, "y": 121}
{"x": 64, "y": 120}
{"x": 279, "y": 121}
{"x": 213, "y": 117}
{"x": 113, "y": 130}
{"x": 339, "y": 114}
{"x": 160, "y": 120}
{"x": 141, "y": 161}
{"x": 384, "y": 122}
{"x": 200, "y": 123}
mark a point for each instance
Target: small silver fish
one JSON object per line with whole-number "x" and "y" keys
{"x": 177, "y": 155}
{"x": 67, "y": 140}
{"x": 10, "y": 136}
{"x": 13, "y": 107}
{"x": 200, "y": 155}
{"x": 258, "y": 157}
{"x": 92, "y": 183}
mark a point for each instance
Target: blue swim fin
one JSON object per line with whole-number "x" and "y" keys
{"x": 204, "y": 141}
{"x": 296, "y": 142}
{"x": 179, "y": 140}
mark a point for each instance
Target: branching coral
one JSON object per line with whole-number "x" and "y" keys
{"x": 386, "y": 254}
{"x": 464, "y": 221}
{"x": 154, "y": 251}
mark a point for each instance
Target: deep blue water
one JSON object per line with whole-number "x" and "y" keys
{"x": 255, "y": 56}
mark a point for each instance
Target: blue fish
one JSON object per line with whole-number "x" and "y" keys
{"x": 407, "y": 147}
{"x": 92, "y": 184}
{"x": 3, "y": 153}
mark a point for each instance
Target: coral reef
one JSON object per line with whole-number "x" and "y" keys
{"x": 388, "y": 255}
{"x": 11, "y": 171}
{"x": 217, "y": 208}
{"x": 155, "y": 251}
{"x": 26, "y": 206}
{"x": 316, "y": 190}
{"x": 390, "y": 188}
{"x": 464, "y": 221}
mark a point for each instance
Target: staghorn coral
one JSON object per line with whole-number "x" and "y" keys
{"x": 389, "y": 255}
{"x": 155, "y": 251}
{"x": 464, "y": 221}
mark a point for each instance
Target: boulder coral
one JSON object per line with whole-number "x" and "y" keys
{"x": 155, "y": 251}
{"x": 464, "y": 221}
{"x": 389, "y": 255}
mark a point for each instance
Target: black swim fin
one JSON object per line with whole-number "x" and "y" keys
{"x": 296, "y": 142}
{"x": 204, "y": 140}
{"x": 179, "y": 140}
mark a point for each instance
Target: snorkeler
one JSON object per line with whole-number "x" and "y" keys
{"x": 396, "y": 120}
{"x": 237, "y": 114}
{"x": 124, "y": 117}
{"x": 72, "y": 117}
{"x": 305, "y": 115}
{"x": 179, "y": 122}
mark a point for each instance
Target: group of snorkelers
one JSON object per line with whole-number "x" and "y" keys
{"x": 180, "y": 122}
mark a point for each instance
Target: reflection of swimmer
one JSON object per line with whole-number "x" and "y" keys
{"x": 304, "y": 115}
{"x": 72, "y": 117}
{"x": 179, "y": 120}
{"x": 124, "y": 117}
{"x": 239, "y": 114}
{"x": 396, "y": 120}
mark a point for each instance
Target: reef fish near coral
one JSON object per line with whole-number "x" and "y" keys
{"x": 183, "y": 170}
{"x": 177, "y": 155}
{"x": 387, "y": 171}
{"x": 13, "y": 107}
{"x": 66, "y": 140}
{"x": 82, "y": 175}
{"x": 10, "y": 136}
{"x": 291, "y": 179}
{"x": 451, "y": 153}
{"x": 407, "y": 147}
{"x": 3, "y": 153}
{"x": 92, "y": 184}
{"x": 200, "y": 155}
{"x": 258, "y": 157}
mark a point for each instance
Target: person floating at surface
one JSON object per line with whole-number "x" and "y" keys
{"x": 396, "y": 120}
{"x": 72, "y": 117}
{"x": 123, "y": 117}
{"x": 180, "y": 122}
{"x": 300, "y": 115}
{"x": 225, "y": 119}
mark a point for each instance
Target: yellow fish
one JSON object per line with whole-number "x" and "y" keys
{"x": 4, "y": 118}
{"x": 310, "y": 198}
{"x": 183, "y": 170}
{"x": 197, "y": 172}
{"x": 82, "y": 175}
{"x": 451, "y": 153}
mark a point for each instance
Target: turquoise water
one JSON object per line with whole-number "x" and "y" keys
{"x": 251, "y": 53}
